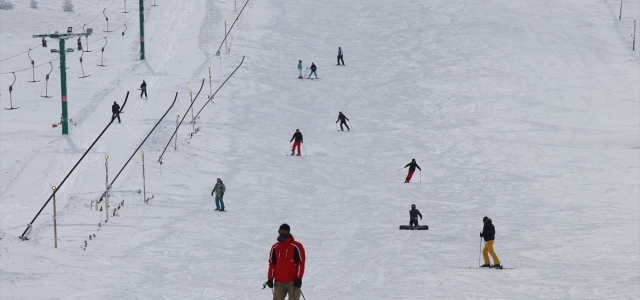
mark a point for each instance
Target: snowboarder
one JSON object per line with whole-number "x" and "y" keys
{"x": 143, "y": 89}
{"x": 412, "y": 168}
{"x": 340, "y": 56}
{"x": 297, "y": 136}
{"x": 488, "y": 233}
{"x": 313, "y": 70}
{"x": 342, "y": 119}
{"x": 286, "y": 266}
{"x": 219, "y": 190}
{"x": 115, "y": 111}
{"x": 413, "y": 216}
{"x": 300, "y": 69}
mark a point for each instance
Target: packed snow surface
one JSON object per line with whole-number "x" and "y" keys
{"x": 523, "y": 111}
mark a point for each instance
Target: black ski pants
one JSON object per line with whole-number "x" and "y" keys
{"x": 345, "y": 124}
{"x": 340, "y": 59}
{"x": 143, "y": 92}
{"x": 116, "y": 115}
{"x": 413, "y": 222}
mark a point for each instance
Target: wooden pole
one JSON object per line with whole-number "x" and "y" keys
{"x": 193, "y": 124}
{"x": 175, "y": 147}
{"x": 210, "y": 91}
{"x": 144, "y": 184}
{"x": 634, "y": 35}
{"x": 225, "y": 34}
{"x": 55, "y": 226}
{"x": 106, "y": 193}
{"x": 620, "y": 17}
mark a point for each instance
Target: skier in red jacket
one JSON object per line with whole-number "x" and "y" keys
{"x": 286, "y": 266}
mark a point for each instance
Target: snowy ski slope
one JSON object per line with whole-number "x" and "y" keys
{"x": 524, "y": 111}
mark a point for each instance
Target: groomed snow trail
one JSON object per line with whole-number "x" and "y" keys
{"x": 512, "y": 109}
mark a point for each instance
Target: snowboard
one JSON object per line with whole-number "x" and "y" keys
{"x": 419, "y": 227}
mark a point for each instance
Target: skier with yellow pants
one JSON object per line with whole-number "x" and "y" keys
{"x": 488, "y": 233}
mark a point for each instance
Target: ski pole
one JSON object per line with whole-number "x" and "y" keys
{"x": 336, "y": 126}
{"x": 420, "y": 175}
{"x": 400, "y": 169}
{"x": 350, "y": 124}
{"x": 479, "y": 253}
{"x": 302, "y": 295}
{"x": 305, "y": 149}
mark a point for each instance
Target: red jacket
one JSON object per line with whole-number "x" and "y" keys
{"x": 286, "y": 261}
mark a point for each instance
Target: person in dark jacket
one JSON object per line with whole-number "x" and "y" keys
{"x": 412, "y": 168}
{"x": 488, "y": 233}
{"x": 413, "y": 216}
{"x": 115, "y": 111}
{"x": 313, "y": 70}
{"x": 340, "y": 56}
{"x": 342, "y": 119}
{"x": 298, "y": 140}
{"x": 286, "y": 266}
{"x": 143, "y": 89}
{"x": 219, "y": 190}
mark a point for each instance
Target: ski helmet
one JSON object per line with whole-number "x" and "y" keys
{"x": 297, "y": 129}
{"x": 413, "y": 206}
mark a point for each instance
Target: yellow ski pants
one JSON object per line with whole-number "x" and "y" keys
{"x": 488, "y": 249}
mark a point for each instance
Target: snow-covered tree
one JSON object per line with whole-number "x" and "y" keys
{"x": 68, "y": 6}
{"x": 4, "y": 4}
{"x": 34, "y": 4}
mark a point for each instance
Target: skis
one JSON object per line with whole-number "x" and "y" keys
{"x": 313, "y": 78}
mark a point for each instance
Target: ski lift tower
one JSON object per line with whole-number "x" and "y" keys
{"x": 63, "y": 67}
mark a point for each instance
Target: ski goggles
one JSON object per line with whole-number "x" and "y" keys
{"x": 282, "y": 231}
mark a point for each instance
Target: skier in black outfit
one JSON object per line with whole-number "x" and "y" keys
{"x": 413, "y": 216}
{"x": 342, "y": 119}
{"x": 340, "y": 56}
{"x": 298, "y": 140}
{"x": 143, "y": 88}
{"x": 115, "y": 110}
{"x": 412, "y": 168}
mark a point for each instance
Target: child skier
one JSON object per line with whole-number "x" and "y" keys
{"x": 413, "y": 216}
{"x": 313, "y": 70}
{"x": 300, "y": 69}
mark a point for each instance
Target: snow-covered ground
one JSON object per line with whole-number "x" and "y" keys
{"x": 524, "y": 111}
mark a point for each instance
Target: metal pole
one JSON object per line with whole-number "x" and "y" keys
{"x": 55, "y": 227}
{"x": 63, "y": 87}
{"x": 141, "y": 29}
{"x": 634, "y": 35}
{"x": 106, "y": 193}
{"x": 144, "y": 184}
{"x": 175, "y": 147}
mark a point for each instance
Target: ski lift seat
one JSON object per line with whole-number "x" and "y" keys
{"x": 70, "y": 49}
{"x": 54, "y": 50}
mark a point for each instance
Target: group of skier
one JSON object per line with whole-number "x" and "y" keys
{"x": 314, "y": 68}
{"x": 287, "y": 256}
